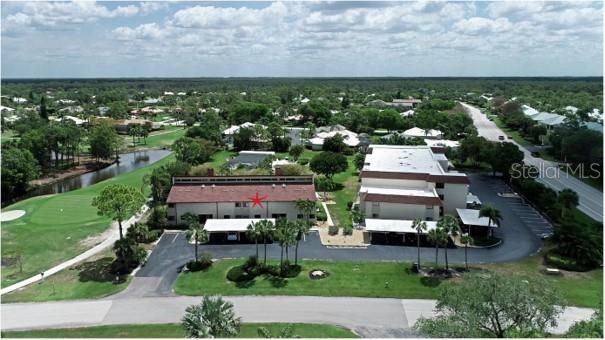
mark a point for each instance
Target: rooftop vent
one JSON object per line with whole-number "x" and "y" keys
{"x": 283, "y": 185}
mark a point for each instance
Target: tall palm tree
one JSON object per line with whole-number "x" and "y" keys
{"x": 467, "y": 240}
{"x": 253, "y": 232}
{"x": 492, "y": 213}
{"x": 265, "y": 229}
{"x": 450, "y": 226}
{"x": 567, "y": 199}
{"x": 212, "y": 318}
{"x": 285, "y": 234}
{"x": 420, "y": 226}
{"x": 301, "y": 228}
{"x": 435, "y": 238}
{"x": 199, "y": 235}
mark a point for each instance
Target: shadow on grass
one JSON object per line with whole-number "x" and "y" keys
{"x": 277, "y": 281}
{"x": 245, "y": 284}
{"x": 430, "y": 281}
{"x": 98, "y": 271}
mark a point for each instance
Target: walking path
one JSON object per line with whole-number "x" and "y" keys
{"x": 369, "y": 317}
{"x": 591, "y": 199}
{"x": 113, "y": 235}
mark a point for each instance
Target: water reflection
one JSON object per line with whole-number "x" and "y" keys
{"x": 128, "y": 162}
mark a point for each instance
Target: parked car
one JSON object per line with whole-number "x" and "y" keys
{"x": 535, "y": 154}
{"x": 501, "y": 138}
{"x": 545, "y": 236}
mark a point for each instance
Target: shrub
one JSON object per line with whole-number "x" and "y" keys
{"x": 195, "y": 266}
{"x": 303, "y": 161}
{"x": 333, "y": 230}
{"x": 158, "y": 218}
{"x": 553, "y": 259}
{"x": 349, "y": 152}
{"x": 321, "y": 215}
{"x": 347, "y": 230}
{"x": 290, "y": 271}
{"x": 238, "y": 274}
{"x": 349, "y": 205}
{"x": 129, "y": 254}
{"x": 251, "y": 265}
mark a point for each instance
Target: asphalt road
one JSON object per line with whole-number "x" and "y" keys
{"x": 591, "y": 199}
{"x": 369, "y": 317}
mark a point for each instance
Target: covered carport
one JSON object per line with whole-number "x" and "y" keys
{"x": 230, "y": 230}
{"x": 475, "y": 224}
{"x": 395, "y": 231}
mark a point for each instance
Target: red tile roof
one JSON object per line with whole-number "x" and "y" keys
{"x": 240, "y": 193}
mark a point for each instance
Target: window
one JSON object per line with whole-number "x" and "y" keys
{"x": 441, "y": 197}
{"x": 439, "y": 185}
{"x": 429, "y": 218}
{"x": 241, "y": 204}
{"x": 242, "y": 216}
{"x": 375, "y": 204}
{"x": 374, "y": 215}
{"x": 170, "y": 218}
{"x": 170, "y": 205}
{"x": 226, "y": 216}
{"x": 257, "y": 216}
{"x": 300, "y": 216}
{"x": 312, "y": 216}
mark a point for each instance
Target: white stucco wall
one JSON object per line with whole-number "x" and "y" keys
{"x": 454, "y": 196}
{"x": 397, "y": 183}
{"x": 399, "y": 211}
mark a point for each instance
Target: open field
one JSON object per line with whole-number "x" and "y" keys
{"x": 88, "y": 280}
{"x": 57, "y": 227}
{"x": 173, "y": 330}
{"x": 158, "y": 139}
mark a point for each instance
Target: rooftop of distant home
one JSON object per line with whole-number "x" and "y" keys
{"x": 418, "y": 162}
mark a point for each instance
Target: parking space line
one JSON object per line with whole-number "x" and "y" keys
{"x": 174, "y": 238}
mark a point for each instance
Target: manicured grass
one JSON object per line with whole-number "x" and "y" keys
{"x": 349, "y": 180}
{"x": 91, "y": 279}
{"x": 158, "y": 139}
{"x": 175, "y": 330}
{"x": 220, "y": 158}
{"x": 54, "y": 227}
{"x": 366, "y": 279}
{"x": 584, "y": 289}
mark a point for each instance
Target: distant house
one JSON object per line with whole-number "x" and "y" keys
{"x": 5, "y": 109}
{"x": 407, "y": 113}
{"x": 151, "y": 100}
{"x": 398, "y": 103}
{"x": 79, "y": 122}
{"x": 181, "y": 94}
{"x": 230, "y": 132}
{"x": 544, "y": 118}
{"x": 168, "y": 93}
{"x": 417, "y": 132}
{"x": 441, "y": 143}
{"x": 593, "y": 126}
{"x": 305, "y": 100}
{"x": 19, "y": 100}
{"x": 72, "y": 109}
{"x": 124, "y": 124}
{"x": 350, "y": 138}
{"x": 249, "y": 159}
{"x": 103, "y": 110}
{"x": 65, "y": 101}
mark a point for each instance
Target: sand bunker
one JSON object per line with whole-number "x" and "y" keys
{"x": 6, "y": 216}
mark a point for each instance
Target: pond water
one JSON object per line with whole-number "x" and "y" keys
{"x": 128, "y": 162}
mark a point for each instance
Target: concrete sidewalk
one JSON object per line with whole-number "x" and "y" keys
{"x": 113, "y": 235}
{"x": 370, "y": 317}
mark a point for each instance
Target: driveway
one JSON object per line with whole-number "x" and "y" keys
{"x": 591, "y": 199}
{"x": 369, "y": 317}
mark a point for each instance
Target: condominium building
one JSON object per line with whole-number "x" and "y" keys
{"x": 409, "y": 182}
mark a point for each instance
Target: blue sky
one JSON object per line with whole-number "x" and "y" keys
{"x": 310, "y": 39}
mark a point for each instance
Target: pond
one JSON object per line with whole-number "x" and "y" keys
{"x": 127, "y": 162}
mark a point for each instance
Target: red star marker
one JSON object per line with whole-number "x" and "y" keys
{"x": 258, "y": 200}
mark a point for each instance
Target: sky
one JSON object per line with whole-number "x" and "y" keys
{"x": 87, "y": 39}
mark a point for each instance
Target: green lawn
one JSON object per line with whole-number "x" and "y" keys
{"x": 174, "y": 330}
{"x": 54, "y": 227}
{"x": 367, "y": 279}
{"x": 349, "y": 180}
{"x": 220, "y": 158}
{"x": 88, "y": 280}
{"x": 158, "y": 139}
{"x": 584, "y": 289}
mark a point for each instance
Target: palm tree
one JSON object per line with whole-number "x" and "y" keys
{"x": 420, "y": 226}
{"x": 567, "y": 199}
{"x": 301, "y": 228}
{"x": 265, "y": 229}
{"x": 450, "y": 226}
{"x": 213, "y": 318}
{"x": 467, "y": 240}
{"x": 199, "y": 235}
{"x": 492, "y": 213}
{"x": 286, "y": 332}
{"x": 285, "y": 234}
{"x": 253, "y": 232}
{"x": 435, "y": 237}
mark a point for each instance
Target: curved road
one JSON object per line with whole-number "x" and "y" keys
{"x": 591, "y": 199}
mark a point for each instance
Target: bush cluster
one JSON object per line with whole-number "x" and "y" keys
{"x": 203, "y": 263}
{"x": 251, "y": 268}
{"x": 347, "y": 230}
{"x": 333, "y": 230}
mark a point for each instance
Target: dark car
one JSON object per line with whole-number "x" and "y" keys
{"x": 501, "y": 137}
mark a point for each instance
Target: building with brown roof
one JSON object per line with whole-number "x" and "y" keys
{"x": 239, "y": 197}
